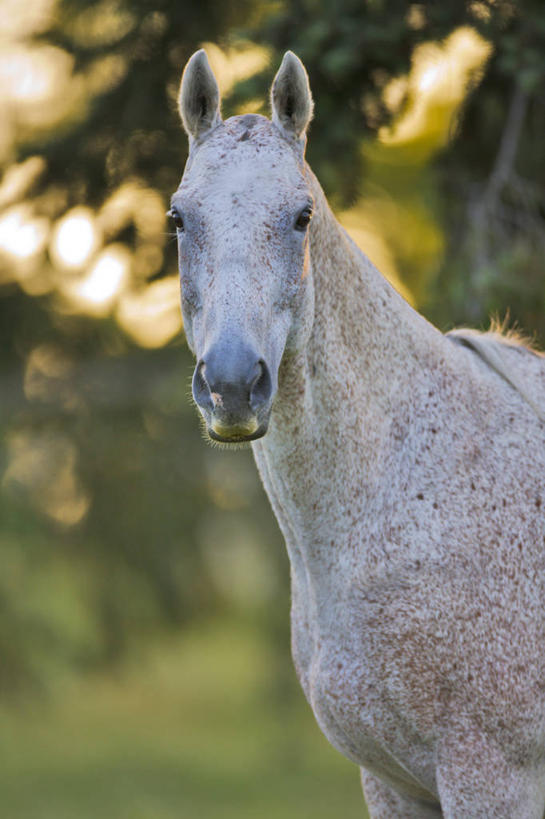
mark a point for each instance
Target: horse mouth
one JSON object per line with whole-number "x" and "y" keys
{"x": 226, "y": 435}
{"x": 237, "y": 438}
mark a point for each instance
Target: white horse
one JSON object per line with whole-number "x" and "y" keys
{"x": 406, "y": 469}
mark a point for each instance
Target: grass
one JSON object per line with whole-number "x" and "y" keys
{"x": 190, "y": 730}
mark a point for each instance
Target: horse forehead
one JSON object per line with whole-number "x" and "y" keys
{"x": 245, "y": 157}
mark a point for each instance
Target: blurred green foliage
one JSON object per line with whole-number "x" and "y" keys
{"x": 191, "y": 728}
{"x": 118, "y": 525}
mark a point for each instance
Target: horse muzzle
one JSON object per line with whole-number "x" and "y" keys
{"x": 233, "y": 389}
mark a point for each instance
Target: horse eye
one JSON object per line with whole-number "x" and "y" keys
{"x": 176, "y": 218}
{"x": 303, "y": 220}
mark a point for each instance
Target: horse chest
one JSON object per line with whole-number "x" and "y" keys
{"x": 383, "y": 656}
{"x": 339, "y": 654}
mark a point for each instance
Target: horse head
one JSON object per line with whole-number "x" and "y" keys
{"x": 242, "y": 214}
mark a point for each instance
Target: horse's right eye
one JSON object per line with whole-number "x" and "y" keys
{"x": 176, "y": 218}
{"x": 303, "y": 220}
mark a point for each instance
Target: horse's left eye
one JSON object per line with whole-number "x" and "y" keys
{"x": 303, "y": 220}
{"x": 176, "y": 218}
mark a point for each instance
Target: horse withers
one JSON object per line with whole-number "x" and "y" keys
{"x": 406, "y": 469}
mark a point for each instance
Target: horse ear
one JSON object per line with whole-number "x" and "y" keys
{"x": 199, "y": 100}
{"x": 291, "y": 100}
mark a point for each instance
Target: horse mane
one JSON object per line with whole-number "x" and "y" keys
{"x": 490, "y": 346}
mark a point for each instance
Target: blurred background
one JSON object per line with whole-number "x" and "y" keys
{"x": 144, "y": 589}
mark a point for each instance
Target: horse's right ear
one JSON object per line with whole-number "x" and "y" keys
{"x": 291, "y": 100}
{"x": 199, "y": 100}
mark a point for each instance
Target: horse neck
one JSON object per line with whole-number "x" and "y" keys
{"x": 335, "y": 398}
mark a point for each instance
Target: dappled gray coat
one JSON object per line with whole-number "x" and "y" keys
{"x": 406, "y": 469}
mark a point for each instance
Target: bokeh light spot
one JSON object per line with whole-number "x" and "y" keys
{"x": 34, "y": 75}
{"x": 99, "y": 289}
{"x": 429, "y": 77}
{"x": 151, "y": 316}
{"x": 231, "y": 65}
{"x": 75, "y": 238}
{"x": 20, "y": 235}
{"x": 437, "y": 85}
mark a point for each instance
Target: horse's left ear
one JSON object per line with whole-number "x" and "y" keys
{"x": 199, "y": 97}
{"x": 291, "y": 100}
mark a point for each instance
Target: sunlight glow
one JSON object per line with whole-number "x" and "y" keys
{"x": 101, "y": 23}
{"x": 429, "y": 77}
{"x": 105, "y": 73}
{"x": 440, "y": 77}
{"x": 25, "y": 19}
{"x": 151, "y": 316}
{"x": 19, "y": 178}
{"x": 106, "y": 277}
{"x": 75, "y": 238}
{"x": 230, "y": 65}
{"x": 98, "y": 290}
{"x": 87, "y": 268}
{"x": 394, "y": 93}
{"x": 34, "y": 75}
{"x": 20, "y": 235}
{"x": 136, "y": 203}
{"x": 21, "y": 72}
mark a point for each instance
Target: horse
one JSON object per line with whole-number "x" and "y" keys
{"x": 405, "y": 466}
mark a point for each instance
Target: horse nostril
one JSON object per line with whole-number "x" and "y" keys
{"x": 201, "y": 390}
{"x": 231, "y": 386}
{"x": 261, "y": 386}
